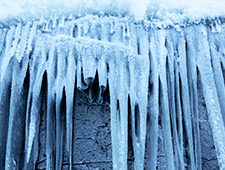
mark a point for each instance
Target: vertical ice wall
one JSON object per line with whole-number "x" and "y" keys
{"x": 151, "y": 74}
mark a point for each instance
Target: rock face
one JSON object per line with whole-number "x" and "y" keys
{"x": 92, "y": 148}
{"x": 92, "y": 137}
{"x": 143, "y": 95}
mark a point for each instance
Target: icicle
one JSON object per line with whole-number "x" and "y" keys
{"x": 180, "y": 144}
{"x": 102, "y": 68}
{"x": 192, "y": 80}
{"x": 199, "y": 36}
{"x": 5, "y": 94}
{"x": 127, "y": 30}
{"x": 2, "y": 40}
{"x": 112, "y": 30}
{"x": 113, "y": 75}
{"x": 14, "y": 147}
{"x": 166, "y": 126}
{"x": 185, "y": 98}
{"x": 126, "y": 34}
{"x": 39, "y": 58}
{"x": 16, "y": 108}
{"x": 172, "y": 76}
{"x": 79, "y": 71}
{"x": 103, "y": 58}
{"x": 89, "y": 62}
{"x": 50, "y": 111}
{"x": 217, "y": 26}
{"x": 6, "y": 56}
{"x": 31, "y": 37}
{"x": 139, "y": 74}
{"x": 118, "y": 86}
{"x": 154, "y": 103}
{"x": 23, "y": 42}
{"x": 120, "y": 53}
{"x": 59, "y": 128}
{"x": 133, "y": 39}
{"x": 16, "y": 40}
{"x": 59, "y": 83}
{"x": 70, "y": 86}
{"x": 214, "y": 43}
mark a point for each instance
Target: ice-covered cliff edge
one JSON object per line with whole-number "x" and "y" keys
{"x": 148, "y": 54}
{"x": 142, "y": 66}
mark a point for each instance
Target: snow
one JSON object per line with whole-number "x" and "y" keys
{"x": 167, "y": 12}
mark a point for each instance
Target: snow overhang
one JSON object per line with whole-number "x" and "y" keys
{"x": 160, "y": 13}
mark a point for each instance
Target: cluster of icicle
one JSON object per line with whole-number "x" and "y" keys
{"x": 151, "y": 73}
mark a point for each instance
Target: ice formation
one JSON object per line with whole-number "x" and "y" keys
{"x": 151, "y": 73}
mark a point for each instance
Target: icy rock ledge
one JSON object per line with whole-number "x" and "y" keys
{"x": 141, "y": 64}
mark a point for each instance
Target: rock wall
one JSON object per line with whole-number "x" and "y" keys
{"x": 92, "y": 138}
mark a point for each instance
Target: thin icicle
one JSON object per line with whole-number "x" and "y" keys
{"x": 6, "y": 56}
{"x": 182, "y": 67}
{"x": 20, "y": 50}
{"x": 112, "y": 29}
{"x": 70, "y": 86}
{"x": 171, "y": 67}
{"x": 16, "y": 40}
{"x": 89, "y": 56}
{"x": 2, "y": 40}
{"x": 154, "y": 103}
{"x": 192, "y": 80}
{"x": 31, "y": 37}
{"x": 166, "y": 126}
{"x": 61, "y": 70}
{"x": 102, "y": 67}
{"x": 179, "y": 117}
{"x": 5, "y": 93}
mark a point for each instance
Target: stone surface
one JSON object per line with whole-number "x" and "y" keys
{"x": 92, "y": 138}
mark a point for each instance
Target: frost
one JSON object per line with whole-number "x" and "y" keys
{"x": 151, "y": 74}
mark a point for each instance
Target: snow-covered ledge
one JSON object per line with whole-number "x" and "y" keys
{"x": 148, "y": 60}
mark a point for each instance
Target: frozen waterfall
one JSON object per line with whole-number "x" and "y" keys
{"x": 151, "y": 73}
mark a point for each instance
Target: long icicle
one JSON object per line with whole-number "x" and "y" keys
{"x": 192, "y": 81}
{"x": 199, "y": 36}
{"x": 171, "y": 69}
{"x": 139, "y": 97}
{"x": 165, "y": 115}
{"x": 154, "y": 103}
{"x": 182, "y": 67}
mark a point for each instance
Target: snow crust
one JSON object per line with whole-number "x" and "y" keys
{"x": 168, "y": 12}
